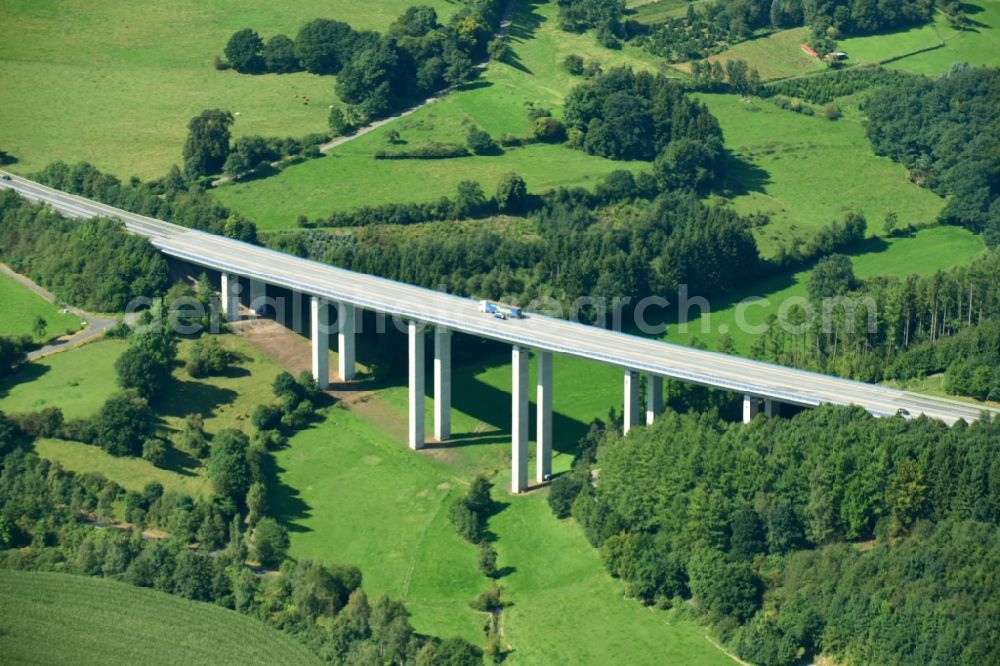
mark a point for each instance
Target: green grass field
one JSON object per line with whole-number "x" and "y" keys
{"x": 927, "y": 251}
{"x": 776, "y": 55}
{"x": 78, "y": 381}
{"x": 979, "y": 45}
{"x": 21, "y": 307}
{"x": 52, "y": 618}
{"x": 807, "y": 171}
{"x": 349, "y": 177}
{"x": 115, "y": 83}
{"x": 129, "y": 473}
{"x": 355, "y": 464}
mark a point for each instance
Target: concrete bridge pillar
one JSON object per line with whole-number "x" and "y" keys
{"x": 750, "y": 407}
{"x": 631, "y": 400}
{"x": 230, "y": 296}
{"x": 519, "y": 421}
{"x": 415, "y": 333}
{"x": 654, "y": 398}
{"x": 543, "y": 405}
{"x": 346, "y": 328}
{"x": 258, "y": 296}
{"x": 442, "y": 383}
{"x": 319, "y": 324}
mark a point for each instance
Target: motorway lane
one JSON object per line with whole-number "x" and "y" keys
{"x": 535, "y": 331}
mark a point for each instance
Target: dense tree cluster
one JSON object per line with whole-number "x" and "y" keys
{"x": 947, "y": 132}
{"x": 755, "y": 523}
{"x": 712, "y": 27}
{"x": 173, "y": 198}
{"x": 202, "y": 557}
{"x": 825, "y": 88}
{"x": 970, "y": 360}
{"x": 603, "y": 15}
{"x": 640, "y": 116}
{"x": 377, "y": 74}
{"x": 146, "y": 366}
{"x": 93, "y": 264}
{"x": 675, "y": 239}
{"x": 867, "y": 334}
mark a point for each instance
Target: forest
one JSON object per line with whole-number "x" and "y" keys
{"x": 947, "y": 133}
{"x": 651, "y": 251}
{"x": 768, "y": 529}
{"x": 889, "y": 328}
{"x": 174, "y": 198}
{"x": 625, "y": 115}
{"x": 377, "y": 74}
{"x": 712, "y": 27}
{"x": 94, "y": 264}
{"x": 69, "y": 522}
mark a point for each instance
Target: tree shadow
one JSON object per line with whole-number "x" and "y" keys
{"x": 284, "y": 501}
{"x": 28, "y": 372}
{"x": 741, "y": 177}
{"x": 525, "y": 21}
{"x": 233, "y": 372}
{"x": 192, "y": 397}
{"x": 490, "y": 405}
{"x": 514, "y": 60}
{"x": 180, "y": 462}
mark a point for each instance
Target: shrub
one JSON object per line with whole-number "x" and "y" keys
{"x": 480, "y": 142}
{"x": 573, "y": 64}
{"x": 549, "y": 129}
{"x": 432, "y": 151}
{"x": 155, "y": 451}
{"x": 270, "y": 542}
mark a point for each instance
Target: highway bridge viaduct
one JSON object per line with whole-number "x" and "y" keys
{"x": 329, "y": 288}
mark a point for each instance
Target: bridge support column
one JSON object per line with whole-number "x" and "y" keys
{"x": 415, "y": 333}
{"x": 631, "y": 400}
{"x": 319, "y": 325}
{"x": 258, "y": 296}
{"x": 442, "y": 383}
{"x": 750, "y": 407}
{"x": 346, "y": 327}
{"x": 654, "y": 397}
{"x": 230, "y": 295}
{"x": 543, "y": 405}
{"x": 519, "y": 421}
{"x": 770, "y": 408}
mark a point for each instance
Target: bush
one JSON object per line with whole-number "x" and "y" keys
{"x": 270, "y": 542}
{"x": 487, "y": 560}
{"x": 549, "y": 129}
{"x": 562, "y": 493}
{"x": 573, "y": 64}
{"x": 266, "y": 417}
{"x": 480, "y": 142}
{"x": 432, "y": 151}
{"x": 155, "y": 451}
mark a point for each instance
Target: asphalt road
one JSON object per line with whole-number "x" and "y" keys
{"x": 536, "y": 331}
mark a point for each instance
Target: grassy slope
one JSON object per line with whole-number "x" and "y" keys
{"x": 806, "y": 172}
{"x": 21, "y": 306}
{"x": 115, "y": 83}
{"x": 349, "y": 177}
{"x": 78, "y": 381}
{"x": 776, "y": 55}
{"x": 929, "y": 250}
{"x": 350, "y": 466}
{"x": 130, "y": 473}
{"x": 978, "y": 46}
{"x": 50, "y": 618}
